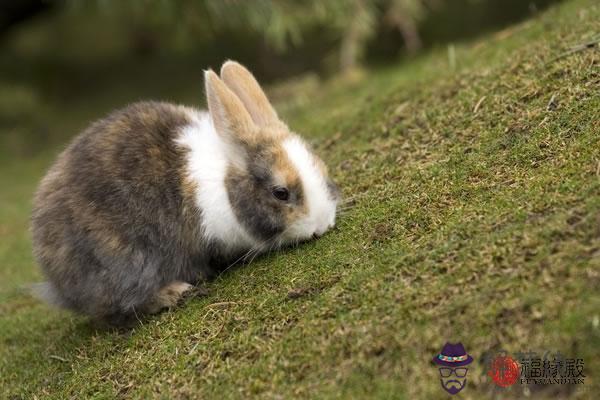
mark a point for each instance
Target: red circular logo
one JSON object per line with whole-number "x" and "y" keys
{"x": 504, "y": 371}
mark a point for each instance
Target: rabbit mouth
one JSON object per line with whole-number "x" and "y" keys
{"x": 300, "y": 234}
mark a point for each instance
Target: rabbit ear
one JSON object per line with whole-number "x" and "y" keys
{"x": 228, "y": 114}
{"x": 244, "y": 85}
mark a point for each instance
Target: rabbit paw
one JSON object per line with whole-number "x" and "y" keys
{"x": 172, "y": 295}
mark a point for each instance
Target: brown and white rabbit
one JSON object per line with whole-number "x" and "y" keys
{"x": 155, "y": 197}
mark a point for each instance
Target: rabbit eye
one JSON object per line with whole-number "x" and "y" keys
{"x": 281, "y": 193}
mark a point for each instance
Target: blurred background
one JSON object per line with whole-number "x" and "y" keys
{"x": 64, "y": 63}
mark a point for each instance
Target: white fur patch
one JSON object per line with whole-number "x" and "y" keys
{"x": 321, "y": 207}
{"x": 207, "y": 165}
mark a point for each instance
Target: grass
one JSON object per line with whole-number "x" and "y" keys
{"x": 476, "y": 218}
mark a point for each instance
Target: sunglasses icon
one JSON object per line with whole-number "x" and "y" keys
{"x": 459, "y": 372}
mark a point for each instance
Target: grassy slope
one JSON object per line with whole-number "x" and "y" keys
{"x": 481, "y": 227}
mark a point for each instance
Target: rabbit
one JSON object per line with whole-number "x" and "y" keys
{"x": 156, "y": 197}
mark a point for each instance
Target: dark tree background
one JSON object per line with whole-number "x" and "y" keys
{"x": 88, "y": 57}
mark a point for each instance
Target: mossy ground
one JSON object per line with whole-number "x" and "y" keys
{"x": 475, "y": 217}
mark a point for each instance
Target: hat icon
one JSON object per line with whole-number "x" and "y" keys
{"x": 453, "y": 355}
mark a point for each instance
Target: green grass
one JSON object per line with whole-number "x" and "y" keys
{"x": 478, "y": 224}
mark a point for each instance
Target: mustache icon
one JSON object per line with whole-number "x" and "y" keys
{"x": 453, "y": 382}
{"x": 452, "y": 386}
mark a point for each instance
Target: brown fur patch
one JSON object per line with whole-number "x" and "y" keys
{"x": 284, "y": 170}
